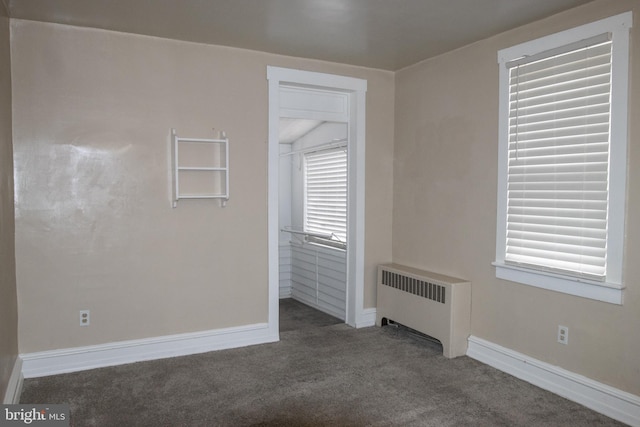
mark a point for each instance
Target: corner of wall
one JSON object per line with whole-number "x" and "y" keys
{"x": 10, "y": 382}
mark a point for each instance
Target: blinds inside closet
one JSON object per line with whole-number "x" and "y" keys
{"x": 326, "y": 193}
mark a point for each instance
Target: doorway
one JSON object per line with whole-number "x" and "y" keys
{"x": 313, "y": 213}
{"x": 296, "y": 94}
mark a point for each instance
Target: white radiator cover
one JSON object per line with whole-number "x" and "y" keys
{"x": 431, "y": 303}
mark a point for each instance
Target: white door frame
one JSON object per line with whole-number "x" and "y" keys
{"x": 354, "y": 90}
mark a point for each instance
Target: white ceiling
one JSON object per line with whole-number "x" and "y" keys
{"x": 385, "y": 34}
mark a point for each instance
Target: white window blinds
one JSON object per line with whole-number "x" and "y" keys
{"x": 558, "y": 159}
{"x": 326, "y": 193}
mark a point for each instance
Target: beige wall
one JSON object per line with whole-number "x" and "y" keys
{"x": 444, "y": 215}
{"x": 95, "y": 230}
{"x": 8, "y": 301}
{"x": 94, "y": 227}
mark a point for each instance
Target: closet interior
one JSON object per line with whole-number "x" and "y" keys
{"x": 313, "y": 213}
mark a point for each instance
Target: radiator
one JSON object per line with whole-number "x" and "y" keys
{"x": 431, "y": 303}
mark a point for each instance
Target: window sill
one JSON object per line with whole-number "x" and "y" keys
{"x": 609, "y": 293}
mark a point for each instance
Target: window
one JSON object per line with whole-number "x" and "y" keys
{"x": 325, "y": 197}
{"x": 562, "y": 160}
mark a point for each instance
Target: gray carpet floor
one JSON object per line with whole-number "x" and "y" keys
{"x": 321, "y": 373}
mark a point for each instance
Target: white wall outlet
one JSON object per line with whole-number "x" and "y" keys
{"x": 85, "y": 318}
{"x": 563, "y": 334}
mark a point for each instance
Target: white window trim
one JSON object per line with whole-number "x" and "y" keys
{"x": 612, "y": 289}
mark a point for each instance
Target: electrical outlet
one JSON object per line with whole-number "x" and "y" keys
{"x": 563, "y": 334}
{"x": 85, "y": 318}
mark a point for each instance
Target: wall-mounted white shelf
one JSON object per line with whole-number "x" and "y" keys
{"x": 200, "y": 168}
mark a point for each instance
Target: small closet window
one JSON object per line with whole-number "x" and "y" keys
{"x": 325, "y": 196}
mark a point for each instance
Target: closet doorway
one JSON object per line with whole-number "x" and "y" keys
{"x": 313, "y": 213}
{"x": 334, "y": 109}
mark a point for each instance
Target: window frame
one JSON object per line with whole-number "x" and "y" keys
{"x": 611, "y": 290}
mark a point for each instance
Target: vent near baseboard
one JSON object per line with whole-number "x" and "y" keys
{"x": 414, "y": 286}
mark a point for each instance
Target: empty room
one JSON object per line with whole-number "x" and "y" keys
{"x": 349, "y": 212}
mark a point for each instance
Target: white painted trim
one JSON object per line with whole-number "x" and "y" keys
{"x": 367, "y": 318}
{"x": 118, "y": 353}
{"x": 356, "y": 90}
{"x": 618, "y": 26}
{"x": 315, "y": 79}
{"x": 355, "y": 250}
{"x": 14, "y": 386}
{"x": 273, "y": 204}
{"x": 565, "y": 284}
{"x": 607, "y": 400}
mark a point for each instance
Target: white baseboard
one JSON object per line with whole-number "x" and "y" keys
{"x": 117, "y": 353}
{"x": 285, "y": 293}
{"x": 614, "y": 403}
{"x": 14, "y": 387}
{"x": 367, "y": 318}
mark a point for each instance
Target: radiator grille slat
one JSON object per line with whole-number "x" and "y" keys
{"x": 421, "y": 288}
